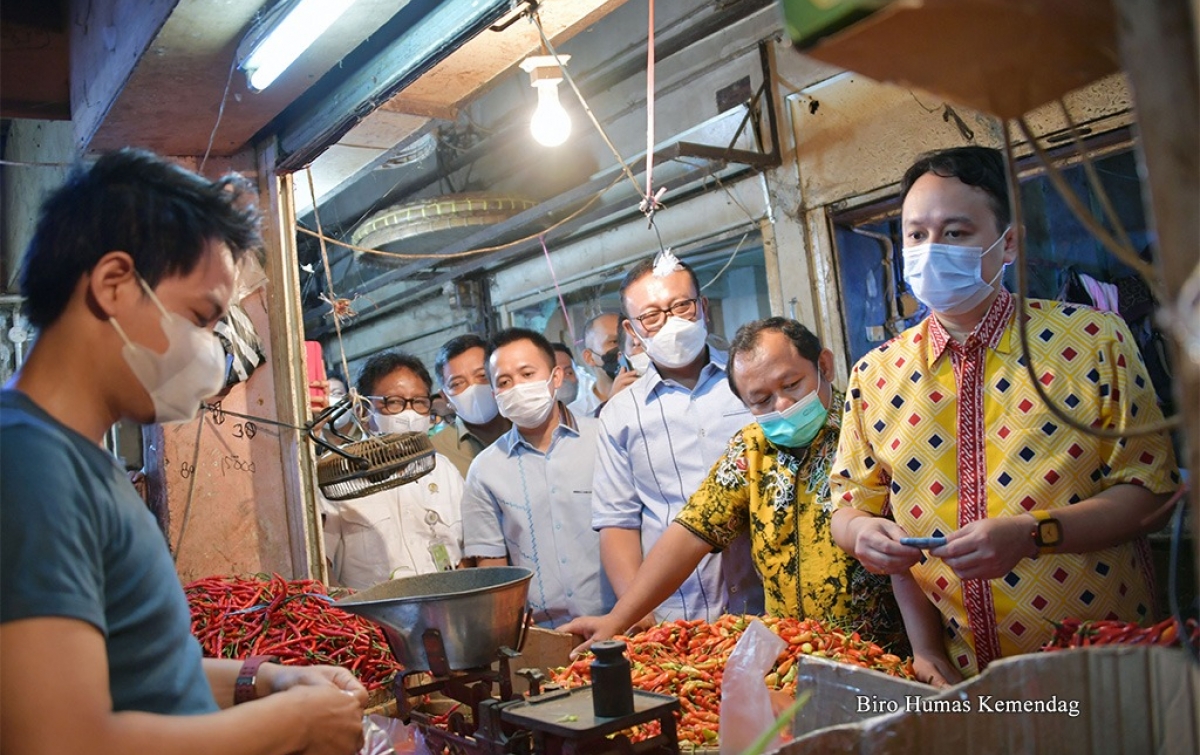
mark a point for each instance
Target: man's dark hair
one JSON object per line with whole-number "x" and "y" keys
{"x": 982, "y": 167}
{"x": 560, "y": 346}
{"x": 646, "y": 267}
{"x": 136, "y": 202}
{"x": 512, "y": 335}
{"x": 381, "y": 365}
{"x": 453, "y": 348}
{"x": 748, "y": 336}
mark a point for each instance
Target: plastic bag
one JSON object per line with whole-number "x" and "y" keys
{"x": 376, "y": 739}
{"x": 390, "y": 736}
{"x": 745, "y": 701}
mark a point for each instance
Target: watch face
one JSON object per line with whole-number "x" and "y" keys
{"x": 1049, "y": 533}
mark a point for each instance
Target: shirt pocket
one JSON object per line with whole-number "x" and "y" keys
{"x": 366, "y": 531}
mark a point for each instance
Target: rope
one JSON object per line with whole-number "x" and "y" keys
{"x": 337, "y": 318}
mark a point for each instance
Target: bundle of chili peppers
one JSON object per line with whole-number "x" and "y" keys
{"x": 1074, "y": 633}
{"x": 235, "y": 617}
{"x": 687, "y": 658}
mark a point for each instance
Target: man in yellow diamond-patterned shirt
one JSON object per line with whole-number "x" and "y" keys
{"x": 772, "y": 482}
{"x": 944, "y": 435}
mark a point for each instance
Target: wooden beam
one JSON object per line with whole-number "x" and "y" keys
{"x": 108, "y": 38}
{"x": 287, "y": 367}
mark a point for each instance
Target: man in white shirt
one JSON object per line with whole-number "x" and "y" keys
{"x": 412, "y": 529}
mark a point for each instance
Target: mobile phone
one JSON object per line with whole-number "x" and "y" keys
{"x": 621, "y": 360}
{"x": 924, "y": 543}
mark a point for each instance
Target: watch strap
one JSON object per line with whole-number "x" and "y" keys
{"x": 246, "y": 688}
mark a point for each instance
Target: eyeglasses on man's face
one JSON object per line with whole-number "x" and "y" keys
{"x": 397, "y": 404}
{"x": 654, "y": 319}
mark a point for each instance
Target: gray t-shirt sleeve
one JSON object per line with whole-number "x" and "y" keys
{"x": 46, "y": 514}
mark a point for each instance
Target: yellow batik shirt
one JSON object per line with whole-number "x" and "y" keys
{"x": 938, "y": 434}
{"x": 781, "y": 497}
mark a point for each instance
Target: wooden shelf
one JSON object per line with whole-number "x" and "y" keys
{"x": 1004, "y": 57}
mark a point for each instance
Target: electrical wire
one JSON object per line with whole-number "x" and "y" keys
{"x": 28, "y": 164}
{"x": 1173, "y": 575}
{"x": 729, "y": 261}
{"x": 1089, "y": 169}
{"x": 220, "y": 113}
{"x": 1075, "y": 205}
{"x": 469, "y": 253}
{"x": 537, "y": 21}
{"x": 1014, "y": 191}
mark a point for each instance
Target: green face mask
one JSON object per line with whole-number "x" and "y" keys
{"x": 798, "y": 425}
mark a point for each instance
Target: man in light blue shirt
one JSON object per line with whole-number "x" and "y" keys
{"x": 659, "y": 439}
{"x": 528, "y": 498}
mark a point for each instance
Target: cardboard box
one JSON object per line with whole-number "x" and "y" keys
{"x": 1098, "y": 700}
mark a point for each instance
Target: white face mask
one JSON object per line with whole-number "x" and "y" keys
{"x": 407, "y": 421}
{"x": 189, "y": 371}
{"x": 639, "y": 362}
{"x": 527, "y": 404}
{"x": 678, "y": 342}
{"x": 568, "y": 391}
{"x": 475, "y": 404}
{"x": 949, "y": 278}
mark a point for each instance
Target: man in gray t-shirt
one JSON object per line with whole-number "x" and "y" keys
{"x": 131, "y": 265}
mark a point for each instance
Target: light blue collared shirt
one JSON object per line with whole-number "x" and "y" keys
{"x": 658, "y": 441}
{"x": 536, "y": 508}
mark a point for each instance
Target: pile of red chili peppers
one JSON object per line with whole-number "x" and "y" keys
{"x": 235, "y": 617}
{"x": 687, "y": 658}
{"x": 1073, "y": 633}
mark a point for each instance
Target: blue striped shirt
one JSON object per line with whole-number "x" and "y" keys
{"x": 536, "y": 509}
{"x": 658, "y": 441}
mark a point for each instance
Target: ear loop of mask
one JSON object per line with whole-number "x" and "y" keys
{"x": 157, "y": 303}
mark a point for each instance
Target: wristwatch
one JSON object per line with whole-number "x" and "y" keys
{"x": 1047, "y": 534}
{"x": 246, "y": 688}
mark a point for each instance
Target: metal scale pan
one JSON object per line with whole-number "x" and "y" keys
{"x": 467, "y": 615}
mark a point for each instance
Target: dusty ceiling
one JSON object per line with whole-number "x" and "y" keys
{"x": 355, "y": 107}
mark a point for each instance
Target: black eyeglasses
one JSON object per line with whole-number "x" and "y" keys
{"x": 396, "y": 404}
{"x": 656, "y": 318}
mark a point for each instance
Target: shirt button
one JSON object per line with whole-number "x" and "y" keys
{"x": 562, "y": 561}
{"x": 570, "y": 593}
{"x": 554, "y": 490}
{"x": 732, "y": 589}
{"x": 703, "y": 432}
{"x": 557, "y": 526}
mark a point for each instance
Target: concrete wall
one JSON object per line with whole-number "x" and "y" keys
{"x": 47, "y": 149}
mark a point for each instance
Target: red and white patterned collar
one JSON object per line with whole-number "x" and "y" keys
{"x": 986, "y": 334}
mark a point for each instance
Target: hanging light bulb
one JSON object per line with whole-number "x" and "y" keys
{"x": 550, "y": 125}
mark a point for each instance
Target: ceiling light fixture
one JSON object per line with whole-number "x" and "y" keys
{"x": 550, "y": 123}
{"x": 283, "y": 35}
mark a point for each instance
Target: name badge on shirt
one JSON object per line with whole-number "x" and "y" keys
{"x": 440, "y": 552}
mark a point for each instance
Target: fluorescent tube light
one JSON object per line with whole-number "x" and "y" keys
{"x": 289, "y": 30}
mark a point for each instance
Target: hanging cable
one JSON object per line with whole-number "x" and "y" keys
{"x": 220, "y": 113}
{"x": 1014, "y": 192}
{"x": 728, "y": 262}
{"x": 337, "y": 318}
{"x": 561, "y": 302}
{"x": 469, "y": 253}
{"x": 1130, "y": 258}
